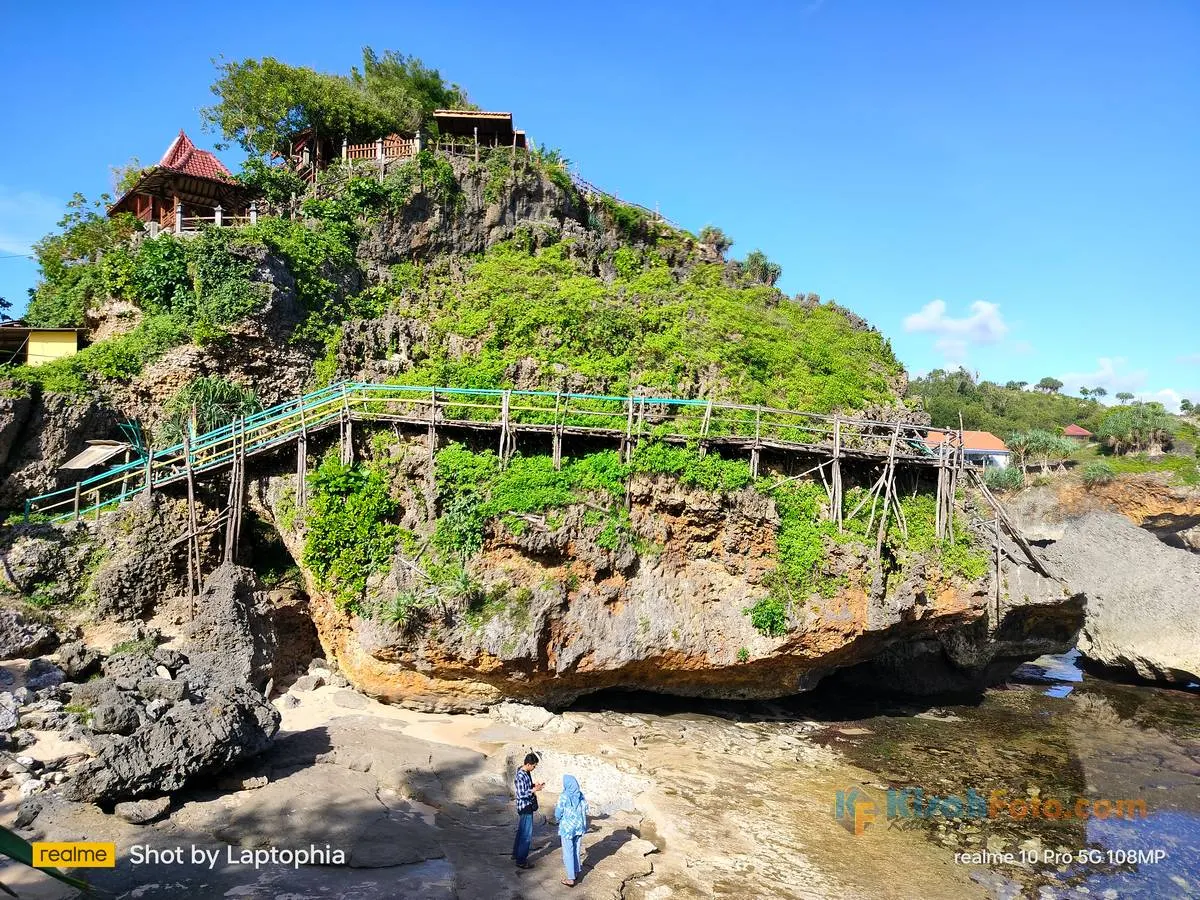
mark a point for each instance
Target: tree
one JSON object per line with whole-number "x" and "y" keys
{"x": 761, "y": 270}
{"x": 1185, "y": 406}
{"x": 1099, "y": 392}
{"x": 1040, "y": 445}
{"x": 125, "y": 176}
{"x": 1136, "y": 428}
{"x": 1085, "y": 392}
{"x": 6, "y": 305}
{"x": 1124, "y": 396}
{"x": 1016, "y": 385}
{"x": 1049, "y": 385}
{"x": 262, "y": 104}
{"x": 715, "y": 238}
{"x": 405, "y": 88}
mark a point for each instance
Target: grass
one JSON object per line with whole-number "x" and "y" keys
{"x": 1182, "y": 469}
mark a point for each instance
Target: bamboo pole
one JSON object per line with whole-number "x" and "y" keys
{"x": 556, "y": 434}
{"x": 757, "y": 449}
{"x": 432, "y": 425}
{"x": 193, "y": 551}
{"x": 889, "y": 491}
{"x": 505, "y": 400}
{"x": 704, "y": 427}
{"x": 628, "y": 448}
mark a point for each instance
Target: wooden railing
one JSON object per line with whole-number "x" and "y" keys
{"x": 509, "y": 414}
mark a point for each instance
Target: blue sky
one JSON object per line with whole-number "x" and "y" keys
{"x": 1010, "y": 186}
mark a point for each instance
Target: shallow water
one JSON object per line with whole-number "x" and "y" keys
{"x": 1054, "y": 733}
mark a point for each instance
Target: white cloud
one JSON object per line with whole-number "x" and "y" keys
{"x": 955, "y": 337}
{"x": 24, "y": 217}
{"x": 1113, "y": 374}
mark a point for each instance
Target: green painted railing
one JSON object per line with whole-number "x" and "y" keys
{"x": 508, "y": 412}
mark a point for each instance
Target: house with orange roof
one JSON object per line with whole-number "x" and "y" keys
{"x": 1075, "y": 431}
{"x": 189, "y": 187}
{"x": 980, "y": 448}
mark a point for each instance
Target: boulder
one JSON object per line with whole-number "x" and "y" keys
{"x": 43, "y": 674}
{"x": 114, "y": 713}
{"x": 308, "y": 682}
{"x": 21, "y": 637}
{"x": 534, "y": 718}
{"x": 1143, "y": 607}
{"x": 140, "y": 812}
{"x": 8, "y": 711}
{"x": 231, "y": 641}
{"x": 173, "y": 690}
{"x": 204, "y": 738}
{"x": 127, "y": 670}
{"x": 78, "y": 660}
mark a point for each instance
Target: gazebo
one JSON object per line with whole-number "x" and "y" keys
{"x": 187, "y": 188}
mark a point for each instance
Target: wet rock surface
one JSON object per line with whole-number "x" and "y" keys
{"x": 1143, "y": 611}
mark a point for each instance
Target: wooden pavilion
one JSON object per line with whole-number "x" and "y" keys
{"x": 187, "y": 187}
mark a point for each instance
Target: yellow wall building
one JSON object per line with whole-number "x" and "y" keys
{"x": 35, "y": 346}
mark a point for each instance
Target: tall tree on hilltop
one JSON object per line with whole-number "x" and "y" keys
{"x": 262, "y": 104}
{"x": 1124, "y": 396}
{"x": 1049, "y": 385}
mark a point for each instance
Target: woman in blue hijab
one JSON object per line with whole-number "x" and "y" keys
{"x": 572, "y": 816}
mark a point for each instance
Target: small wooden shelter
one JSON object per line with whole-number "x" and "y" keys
{"x": 187, "y": 187}
{"x": 1078, "y": 433}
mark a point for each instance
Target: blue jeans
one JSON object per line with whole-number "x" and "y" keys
{"x": 524, "y": 838}
{"x": 570, "y": 850}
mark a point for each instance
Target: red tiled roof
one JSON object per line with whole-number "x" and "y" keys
{"x": 1075, "y": 431}
{"x": 974, "y": 440}
{"x": 184, "y": 156}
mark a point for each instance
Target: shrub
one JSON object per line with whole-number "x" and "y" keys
{"x": 1097, "y": 473}
{"x": 1007, "y": 479}
{"x": 769, "y": 616}
{"x": 349, "y": 537}
{"x": 715, "y": 238}
{"x": 203, "y": 404}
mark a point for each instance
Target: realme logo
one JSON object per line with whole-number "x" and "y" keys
{"x": 75, "y": 854}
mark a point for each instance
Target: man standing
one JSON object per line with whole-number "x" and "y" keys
{"x": 527, "y": 805}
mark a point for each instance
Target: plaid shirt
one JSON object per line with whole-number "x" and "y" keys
{"x": 523, "y": 785}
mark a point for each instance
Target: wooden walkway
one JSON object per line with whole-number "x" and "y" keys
{"x": 540, "y": 420}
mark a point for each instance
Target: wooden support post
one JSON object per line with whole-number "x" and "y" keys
{"x": 556, "y": 435}
{"x": 704, "y": 428}
{"x": 837, "y": 471}
{"x": 889, "y": 490}
{"x": 432, "y": 424}
{"x": 125, "y": 475}
{"x": 627, "y": 450}
{"x": 193, "y": 548}
{"x": 504, "y": 437}
{"x": 641, "y": 421}
{"x": 757, "y": 448}
{"x": 178, "y": 217}
{"x": 78, "y": 488}
{"x": 476, "y": 143}
{"x": 379, "y": 156}
{"x": 302, "y": 464}
{"x": 253, "y": 212}
{"x": 149, "y": 472}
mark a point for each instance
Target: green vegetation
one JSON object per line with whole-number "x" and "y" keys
{"x": 1007, "y": 479}
{"x": 1002, "y": 410}
{"x": 1040, "y": 447}
{"x": 1183, "y": 468}
{"x": 1136, "y": 428}
{"x": 644, "y": 329}
{"x": 1097, "y": 473}
{"x": 711, "y": 472}
{"x": 203, "y": 404}
{"x": 743, "y": 655}
{"x": 263, "y": 104}
{"x": 349, "y": 534}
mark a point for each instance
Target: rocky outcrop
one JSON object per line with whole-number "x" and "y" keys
{"x": 1143, "y": 610}
{"x": 55, "y": 428}
{"x": 242, "y": 635}
{"x": 22, "y": 637}
{"x": 191, "y": 740}
{"x": 561, "y": 613}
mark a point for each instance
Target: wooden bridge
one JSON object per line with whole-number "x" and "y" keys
{"x": 546, "y": 419}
